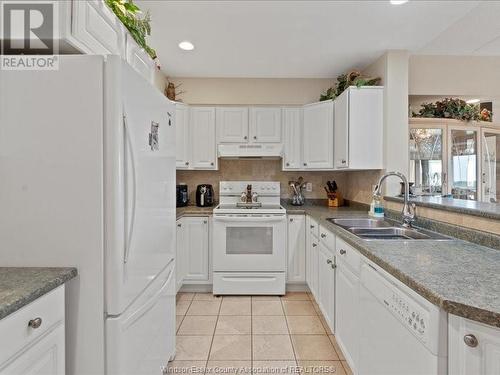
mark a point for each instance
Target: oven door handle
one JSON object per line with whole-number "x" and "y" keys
{"x": 258, "y": 219}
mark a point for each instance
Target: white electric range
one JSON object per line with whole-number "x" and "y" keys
{"x": 249, "y": 239}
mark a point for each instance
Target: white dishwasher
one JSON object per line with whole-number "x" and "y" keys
{"x": 401, "y": 333}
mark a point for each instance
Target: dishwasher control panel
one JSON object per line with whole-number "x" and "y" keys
{"x": 405, "y": 308}
{"x": 412, "y": 315}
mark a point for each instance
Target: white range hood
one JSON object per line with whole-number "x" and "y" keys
{"x": 251, "y": 150}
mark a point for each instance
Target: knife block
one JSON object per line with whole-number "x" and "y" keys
{"x": 335, "y": 200}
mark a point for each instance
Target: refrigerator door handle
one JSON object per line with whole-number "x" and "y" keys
{"x": 129, "y": 228}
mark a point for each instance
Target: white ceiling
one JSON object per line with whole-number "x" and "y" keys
{"x": 312, "y": 39}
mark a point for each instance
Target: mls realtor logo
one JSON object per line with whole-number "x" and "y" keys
{"x": 29, "y": 35}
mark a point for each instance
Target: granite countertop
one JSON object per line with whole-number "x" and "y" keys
{"x": 462, "y": 206}
{"x": 458, "y": 276}
{"x": 22, "y": 285}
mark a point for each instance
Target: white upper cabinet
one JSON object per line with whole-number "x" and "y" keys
{"x": 94, "y": 28}
{"x": 232, "y": 124}
{"x": 139, "y": 59}
{"x": 473, "y": 348}
{"x": 182, "y": 136}
{"x": 202, "y": 137}
{"x": 265, "y": 125}
{"x": 292, "y": 131}
{"x": 318, "y": 136}
{"x": 359, "y": 119}
{"x": 296, "y": 255}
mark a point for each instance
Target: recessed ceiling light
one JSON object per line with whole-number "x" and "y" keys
{"x": 472, "y": 101}
{"x": 186, "y": 45}
{"x": 398, "y": 2}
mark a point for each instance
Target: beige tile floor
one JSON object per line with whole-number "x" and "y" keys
{"x": 254, "y": 335}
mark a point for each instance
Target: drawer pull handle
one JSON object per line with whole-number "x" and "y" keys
{"x": 329, "y": 261}
{"x": 35, "y": 323}
{"x": 312, "y": 226}
{"x": 342, "y": 252}
{"x": 471, "y": 340}
{"x": 333, "y": 266}
{"x": 314, "y": 245}
{"x": 323, "y": 235}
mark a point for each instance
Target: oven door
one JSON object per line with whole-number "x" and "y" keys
{"x": 249, "y": 242}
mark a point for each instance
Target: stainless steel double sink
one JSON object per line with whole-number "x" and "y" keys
{"x": 384, "y": 229}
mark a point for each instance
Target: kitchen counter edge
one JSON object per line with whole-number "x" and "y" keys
{"x": 20, "y": 286}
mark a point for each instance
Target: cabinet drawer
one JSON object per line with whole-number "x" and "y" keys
{"x": 256, "y": 283}
{"x": 348, "y": 256}
{"x": 15, "y": 333}
{"x": 327, "y": 238}
{"x": 313, "y": 227}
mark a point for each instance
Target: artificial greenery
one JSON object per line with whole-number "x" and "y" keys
{"x": 453, "y": 108}
{"x": 137, "y": 24}
{"x": 353, "y": 78}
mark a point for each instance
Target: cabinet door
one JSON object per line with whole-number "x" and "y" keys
{"x": 346, "y": 313}
{"x": 341, "y": 130}
{"x": 428, "y": 158}
{"x": 202, "y": 137}
{"x": 181, "y": 136}
{"x": 318, "y": 136}
{"x": 490, "y": 141}
{"x": 139, "y": 59}
{"x": 195, "y": 235}
{"x": 232, "y": 124}
{"x": 265, "y": 125}
{"x": 296, "y": 269}
{"x": 463, "y": 162}
{"x": 96, "y": 27}
{"x": 469, "y": 357}
{"x": 44, "y": 357}
{"x": 326, "y": 284}
{"x": 364, "y": 128}
{"x": 180, "y": 255}
{"x": 312, "y": 266}
{"x": 292, "y": 130}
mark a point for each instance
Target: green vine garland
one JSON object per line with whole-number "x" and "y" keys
{"x": 453, "y": 108}
{"x": 131, "y": 16}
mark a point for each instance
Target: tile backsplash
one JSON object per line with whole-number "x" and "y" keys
{"x": 260, "y": 170}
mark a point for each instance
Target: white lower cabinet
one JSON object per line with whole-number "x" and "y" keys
{"x": 32, "y": 339}
{"x": 346, "y": 313}
{"x": 180, "y": 261}
{"x": 296, "y": 244}
{"x": 193, "y": 250}
{"x": 326, "y": 284}
{"x": 312, "y": 256}
{"x": 473, "y": 348}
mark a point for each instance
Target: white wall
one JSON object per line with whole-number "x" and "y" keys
{"x": 251, "y": 91}
{"x": 470, "y": 76}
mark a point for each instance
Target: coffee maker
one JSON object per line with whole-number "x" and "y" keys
{"x": 182, "y": 195}
{"x": 204, "y": 195}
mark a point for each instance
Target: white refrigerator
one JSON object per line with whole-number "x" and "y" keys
{"x": 87, "y": 171}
